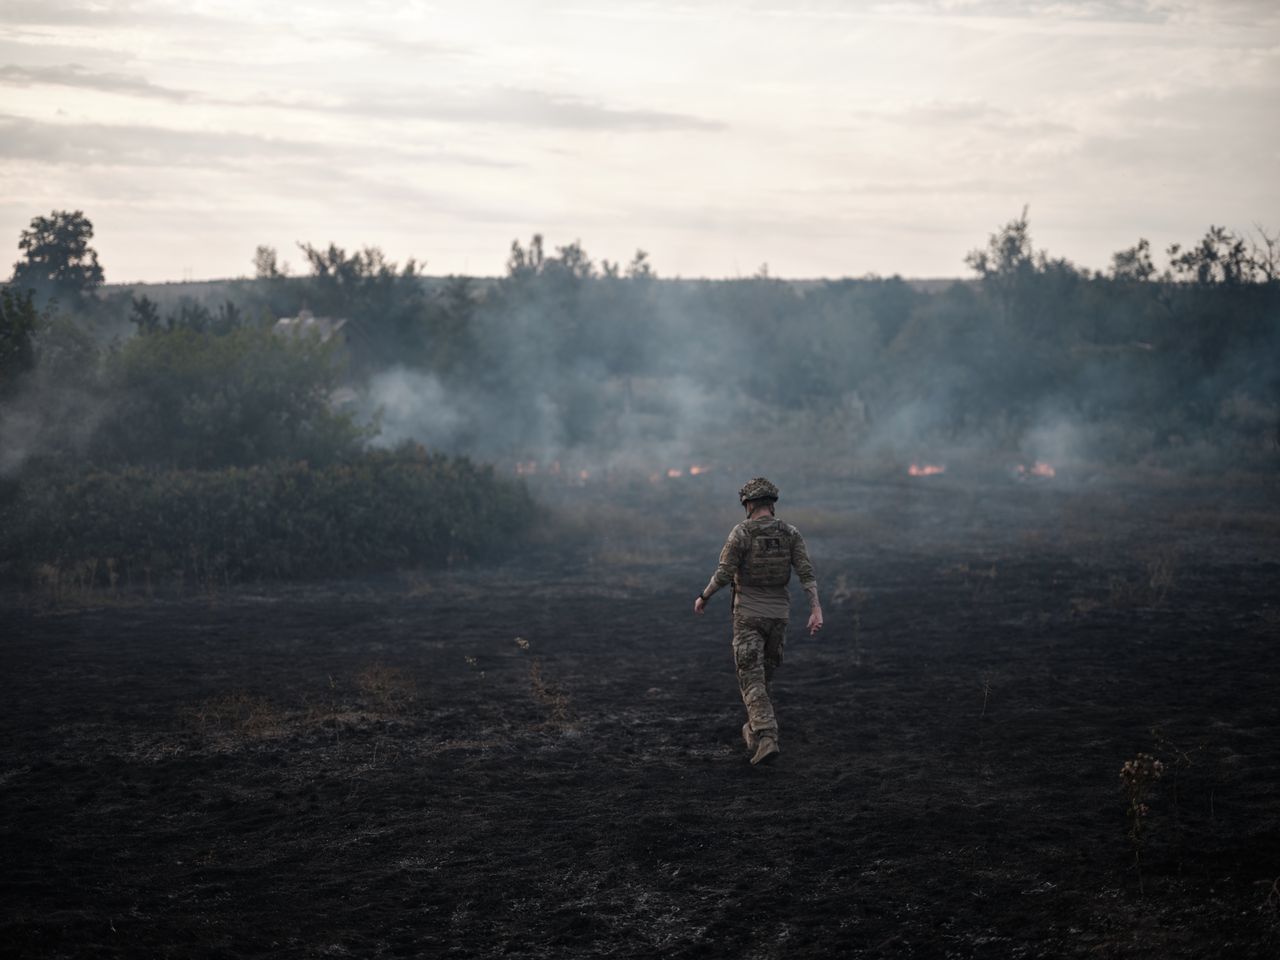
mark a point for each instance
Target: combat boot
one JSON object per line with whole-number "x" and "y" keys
{"x": 766, "y": 752}
{"x": 748, "y": 737}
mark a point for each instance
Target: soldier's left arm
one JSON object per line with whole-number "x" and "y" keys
{"x": 730, "y": 559}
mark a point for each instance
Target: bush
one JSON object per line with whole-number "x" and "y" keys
{"x": 183, "y": 398}
{"x": 146, "y": 526}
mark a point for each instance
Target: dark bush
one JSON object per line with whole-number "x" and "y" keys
{"x": 148, "y": 526}
{"x": 185, "y": 398}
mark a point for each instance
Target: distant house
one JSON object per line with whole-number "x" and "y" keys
{"x": 307, "y": 322}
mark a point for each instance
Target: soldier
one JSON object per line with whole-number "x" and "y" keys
{"x": 757, "y": 559}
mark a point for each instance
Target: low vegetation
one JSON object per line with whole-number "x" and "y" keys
{"x": 149, "y": 527}
{"x": 191, "y": 438}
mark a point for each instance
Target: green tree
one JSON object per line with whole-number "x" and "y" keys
{"x": 58, "y": 259}
{"x": 1220, "y": 257}
{"x": 386, "y": 306}
{"x": 19, "y": 321}
{"x": 144, "y": 314}
{"x": 186, "y": 398}
{"x": 1006, "y": 265}
{"x": 267, "y": 265}
{"x": 1133, "y": 263}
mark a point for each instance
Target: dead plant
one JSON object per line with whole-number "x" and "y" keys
{"x": 1271, "y": 906}
{"x": 239, "y": 713}
{"x": 390, "y": 689}
{"x": 551, "y": 695}
{"x": 1137, "y": 777}
{"x": 1183, "y": 759}
{"x": 1150, "y": 587}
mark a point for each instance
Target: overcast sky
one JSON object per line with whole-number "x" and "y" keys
{"x": 824, "y": 138}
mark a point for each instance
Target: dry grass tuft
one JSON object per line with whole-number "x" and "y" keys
{"x": 390, "y": 689}
{"x": 551, "y": 695}
{"x": 240, "y": 713}
{"x": 1150, "y": 587}
{"x": 1083, "y": 606}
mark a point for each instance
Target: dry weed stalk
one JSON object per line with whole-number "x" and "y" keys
{"x": 91, "y": 582}
{"x": 391, "y": 689}
{"x": 978, "y": 581}
{"x": 1183, "y": 759}
{"x": 1137, "y": 777}
{"x": 550, "y": 695}
{"x": 1150, "y": 588}
{"x": 239, "y": 713}
{"x": 1271, "y": 906}
{"x": 1083, "y": 606}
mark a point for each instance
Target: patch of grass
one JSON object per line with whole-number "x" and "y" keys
{"x": 240, "y": 713}
{"x": 551, "y": 696}
{"x": 389, "y": 689}
{"x": 1083, "y": 606}
{"x": 979, "y": 580}
{"x": 1148, "y": 588}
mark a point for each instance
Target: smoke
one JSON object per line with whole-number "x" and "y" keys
{"x": 760, "y": 374}
{"x": 412, "y": 405}
{"x": 53, "y": 410}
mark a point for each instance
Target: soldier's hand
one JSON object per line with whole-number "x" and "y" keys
{"x": 699, "y": 606}
{"x": 815, "y": 621}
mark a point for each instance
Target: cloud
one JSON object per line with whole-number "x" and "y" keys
{"x": 58, "y": 13}
{"x": 1142, "y": 11}
{"x": 69, "y": 13}
{"x": 74, "y": 75}
{"x": 963, "y": 115}
{"x": 126, "y": 144}
{"x": 504, "y": 106}
{"x": 100, "y": 144}
{"x": 510, "y": 107}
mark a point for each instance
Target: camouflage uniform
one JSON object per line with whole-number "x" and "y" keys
{"x": 757, "y": 559}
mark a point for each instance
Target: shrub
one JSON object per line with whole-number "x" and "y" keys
{"x": 187, "y": 399}
{"x": 375, "y": 512}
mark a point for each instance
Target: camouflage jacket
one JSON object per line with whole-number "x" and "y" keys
{"x": 757, "y": 559}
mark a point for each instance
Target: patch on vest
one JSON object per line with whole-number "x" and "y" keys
{"x": 768, "y": 564}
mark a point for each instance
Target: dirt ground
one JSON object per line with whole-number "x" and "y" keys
{"x": 543, "y": 759}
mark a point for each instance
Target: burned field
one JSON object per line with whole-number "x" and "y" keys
{"x": 543, "y": 759}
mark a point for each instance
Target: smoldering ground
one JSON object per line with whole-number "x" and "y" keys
{"x": 542, "y": 757}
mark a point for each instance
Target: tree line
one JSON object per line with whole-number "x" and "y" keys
{"x": 564, "y": 353}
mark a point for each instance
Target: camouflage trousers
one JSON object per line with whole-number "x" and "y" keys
{"x": 757, "y": 652}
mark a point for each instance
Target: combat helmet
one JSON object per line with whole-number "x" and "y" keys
{"x": 757, "y": 489}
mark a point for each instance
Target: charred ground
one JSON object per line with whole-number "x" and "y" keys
{"x": 543, "y": 759}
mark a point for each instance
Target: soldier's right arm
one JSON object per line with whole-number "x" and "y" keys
{"x": 808, "y": 580}
{"x": 804, "y": 569}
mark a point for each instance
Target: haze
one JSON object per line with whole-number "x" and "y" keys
{"x": 821, "y": 138}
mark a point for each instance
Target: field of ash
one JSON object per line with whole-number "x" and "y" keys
{"x": 542, "y": 759}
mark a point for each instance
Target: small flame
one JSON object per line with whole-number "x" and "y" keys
{"x": 697, "y": 470}
{"x": 925, "y": 469}
{"x": 527, "y": 468}
{"x": 584, "y": 474}
{"x": 1038, "y": 469}
{"x": 675, "y": 472}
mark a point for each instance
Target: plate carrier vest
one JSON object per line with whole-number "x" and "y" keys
{"x": 768, "y": 560}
